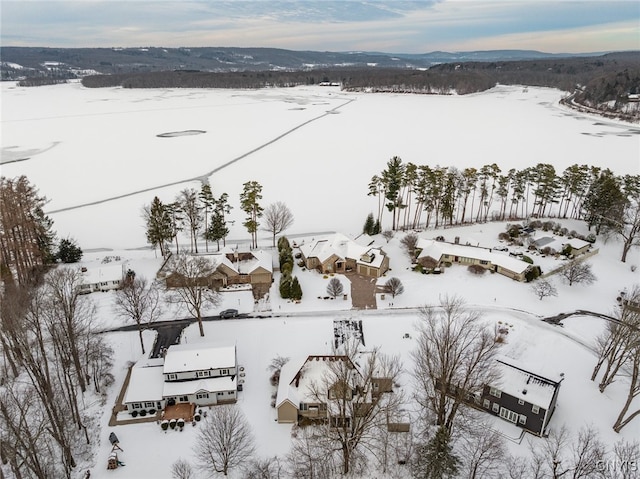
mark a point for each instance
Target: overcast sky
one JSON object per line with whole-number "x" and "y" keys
{"x": 560, "y": 26}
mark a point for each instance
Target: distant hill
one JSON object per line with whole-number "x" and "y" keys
{"x": 27, "y": 62}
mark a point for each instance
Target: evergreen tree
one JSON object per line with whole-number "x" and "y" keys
{"x": 192, "y": 217}
{"x": 251, "y": 194}
{"x": 392, "y": 179}
{"x": 435, "y": 460}
{"x": 217, "y": 229}
{"x": 296, "y": 290}
{"x": 285, "y": 286}
{"x": 159, "y": 225}
{"x": 377, "y": 227}
{"x": 69, "y": 251}
{"x": 368, "y": 225}
{"x": 207, "y": 201}
{"x": 605, "y": 202}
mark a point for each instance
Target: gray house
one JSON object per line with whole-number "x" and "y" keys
{"x": 521, "y": 397}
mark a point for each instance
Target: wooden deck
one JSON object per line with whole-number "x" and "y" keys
{"x": 179, "y": 411}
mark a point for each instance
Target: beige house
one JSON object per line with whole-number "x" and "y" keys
{"x": 231, "y": 268}
{"x": 303, "y": 395}
{"x": 439, "y": 254}
{"x": 340, "y": 254}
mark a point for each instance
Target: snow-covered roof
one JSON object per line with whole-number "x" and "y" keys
{"x": 298, "y": 376}
{"x": 435, "y": 250}
{"x": 146, "y": 382}
{"x": 337, "y": 244}
{"x": 210, "y": 385}
{"x": 99, "y": 274}
{"x": 196, "y": 357}
{"x": 558, "y": 244}
{"x": 260, "y": 259}
{"x": 517, "y": 381}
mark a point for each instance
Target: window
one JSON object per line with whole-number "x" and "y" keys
{"x": 521, "y": 402}
{"x": 203, "y": 373}
{"x": 184, "y": 398}
{"x": 496, "y": 407}
{"x": 495, "y": 392}
{"x": 486, "y": 403}
{"x": 219, "y": 393}
{"x": 224, "y": 372}
{"x": 171, "y": 377}
{"x": 509, "y": 415}
{"x": 376, "y": 386}
{"x": 484, "y": 262}
{"x": 522, "y": 419}
{"x": 202, "y": 395}
{"x": 303, "y": 406}
{"x": 535, "y": 409}
{"x": 230, "y": 393}
{"x": 149, "y": 404}
{"x": 136, "y": 405}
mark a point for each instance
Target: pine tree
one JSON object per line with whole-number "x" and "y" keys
{"x": 285, "y": 286}
{"x": 392, "y": 179}
{"x": 207, "y": 201}
{"x": 435, "y": 460}
{"x": 69, "y": 251}
{"x": 217, "y": 229}
{"x": 296, "y": 290}
{"x": 251, "y": 194}
{"x": 368, "y": 225}
{"x": 377, "y": 228}
{"x": 159, "y": 225}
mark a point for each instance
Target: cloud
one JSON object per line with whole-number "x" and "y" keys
{"x": 342, "y": 25}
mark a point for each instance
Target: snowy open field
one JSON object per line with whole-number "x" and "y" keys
{"x": 86, "y": 146}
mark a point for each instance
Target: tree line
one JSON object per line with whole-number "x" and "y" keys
{"x": 204, "y": 216}
{"x": 423, "y": 195}
{"x": 54, "y": 366}
{"x": 28, "y": 244}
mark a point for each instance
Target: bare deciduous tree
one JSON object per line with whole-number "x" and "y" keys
{"x": 410, "y": 243}
{"x": 543, "y": 288}
{"x": 388, "y": 235}
{"x": 139, "y": 303}
{"x": 334, "y": 288}
{"x": 634, "y": 389}
{"x": 224, "y": 441}
{"x": 577, "y": 271}
{"x": 264, "y": 469}
{"x": 312, "y": 455}
{"x": 616, "y": 344}
{"x": 454, "y": 358}
{"x": 357, "y": 403}
{"x": 190, "y": 206}
{"x": 181, "y": 469}
{"x": 194, "y": 293}
{"x": 394, "y": 287}
{"x": 277, "y": 218}
{"x": 481, "y": 450}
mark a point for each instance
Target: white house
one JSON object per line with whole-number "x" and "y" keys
{"x": 201, "y": 374}
{"x": 102, "y": 278}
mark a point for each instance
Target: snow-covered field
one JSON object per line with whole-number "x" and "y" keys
{"x": 81, "y": 146}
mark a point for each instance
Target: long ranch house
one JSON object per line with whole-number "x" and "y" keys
{"x": 102, "y": 278}
{"x": 440, "y": 253}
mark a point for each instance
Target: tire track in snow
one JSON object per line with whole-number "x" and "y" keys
{"x": 204, "y": 178}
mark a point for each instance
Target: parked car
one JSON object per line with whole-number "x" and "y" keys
{"x": 228, "y": 313}
{"x": 501, "y": 248}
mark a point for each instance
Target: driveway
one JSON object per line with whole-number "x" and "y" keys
{"x": 363, "y": 289}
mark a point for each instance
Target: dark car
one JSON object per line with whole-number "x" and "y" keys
{"x": 228, "y": 313}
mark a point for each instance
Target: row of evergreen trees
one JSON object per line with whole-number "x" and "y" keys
{"x": 289, "y": 285}
{"x": 448, "y": 195}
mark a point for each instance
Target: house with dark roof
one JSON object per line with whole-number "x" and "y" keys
{"x": 521, "y": 397}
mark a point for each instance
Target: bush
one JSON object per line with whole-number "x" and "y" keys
{"x": 180, "y": 422}
{"x": 513, "y": 231}
{"x": 504, "y": 236}
{"x": 197, "y": 416}
{"x": 532, "y": 274}
{"x": 418, "y": 268}
{"x": 548, "y": 225}
{"x": 164, "y": 425}
{"x": 172, "y": 424}
{"x": 134, "y": 413}
{"x": 286, "y": 268}
{"x": 283, "y": 243}
{"x": 143, "y": 413}
{"x": 591, "y": 238}
{"x": 526, "y": 259}
{"x": 448, "y": 264}
{"x": 476, "y": 269}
